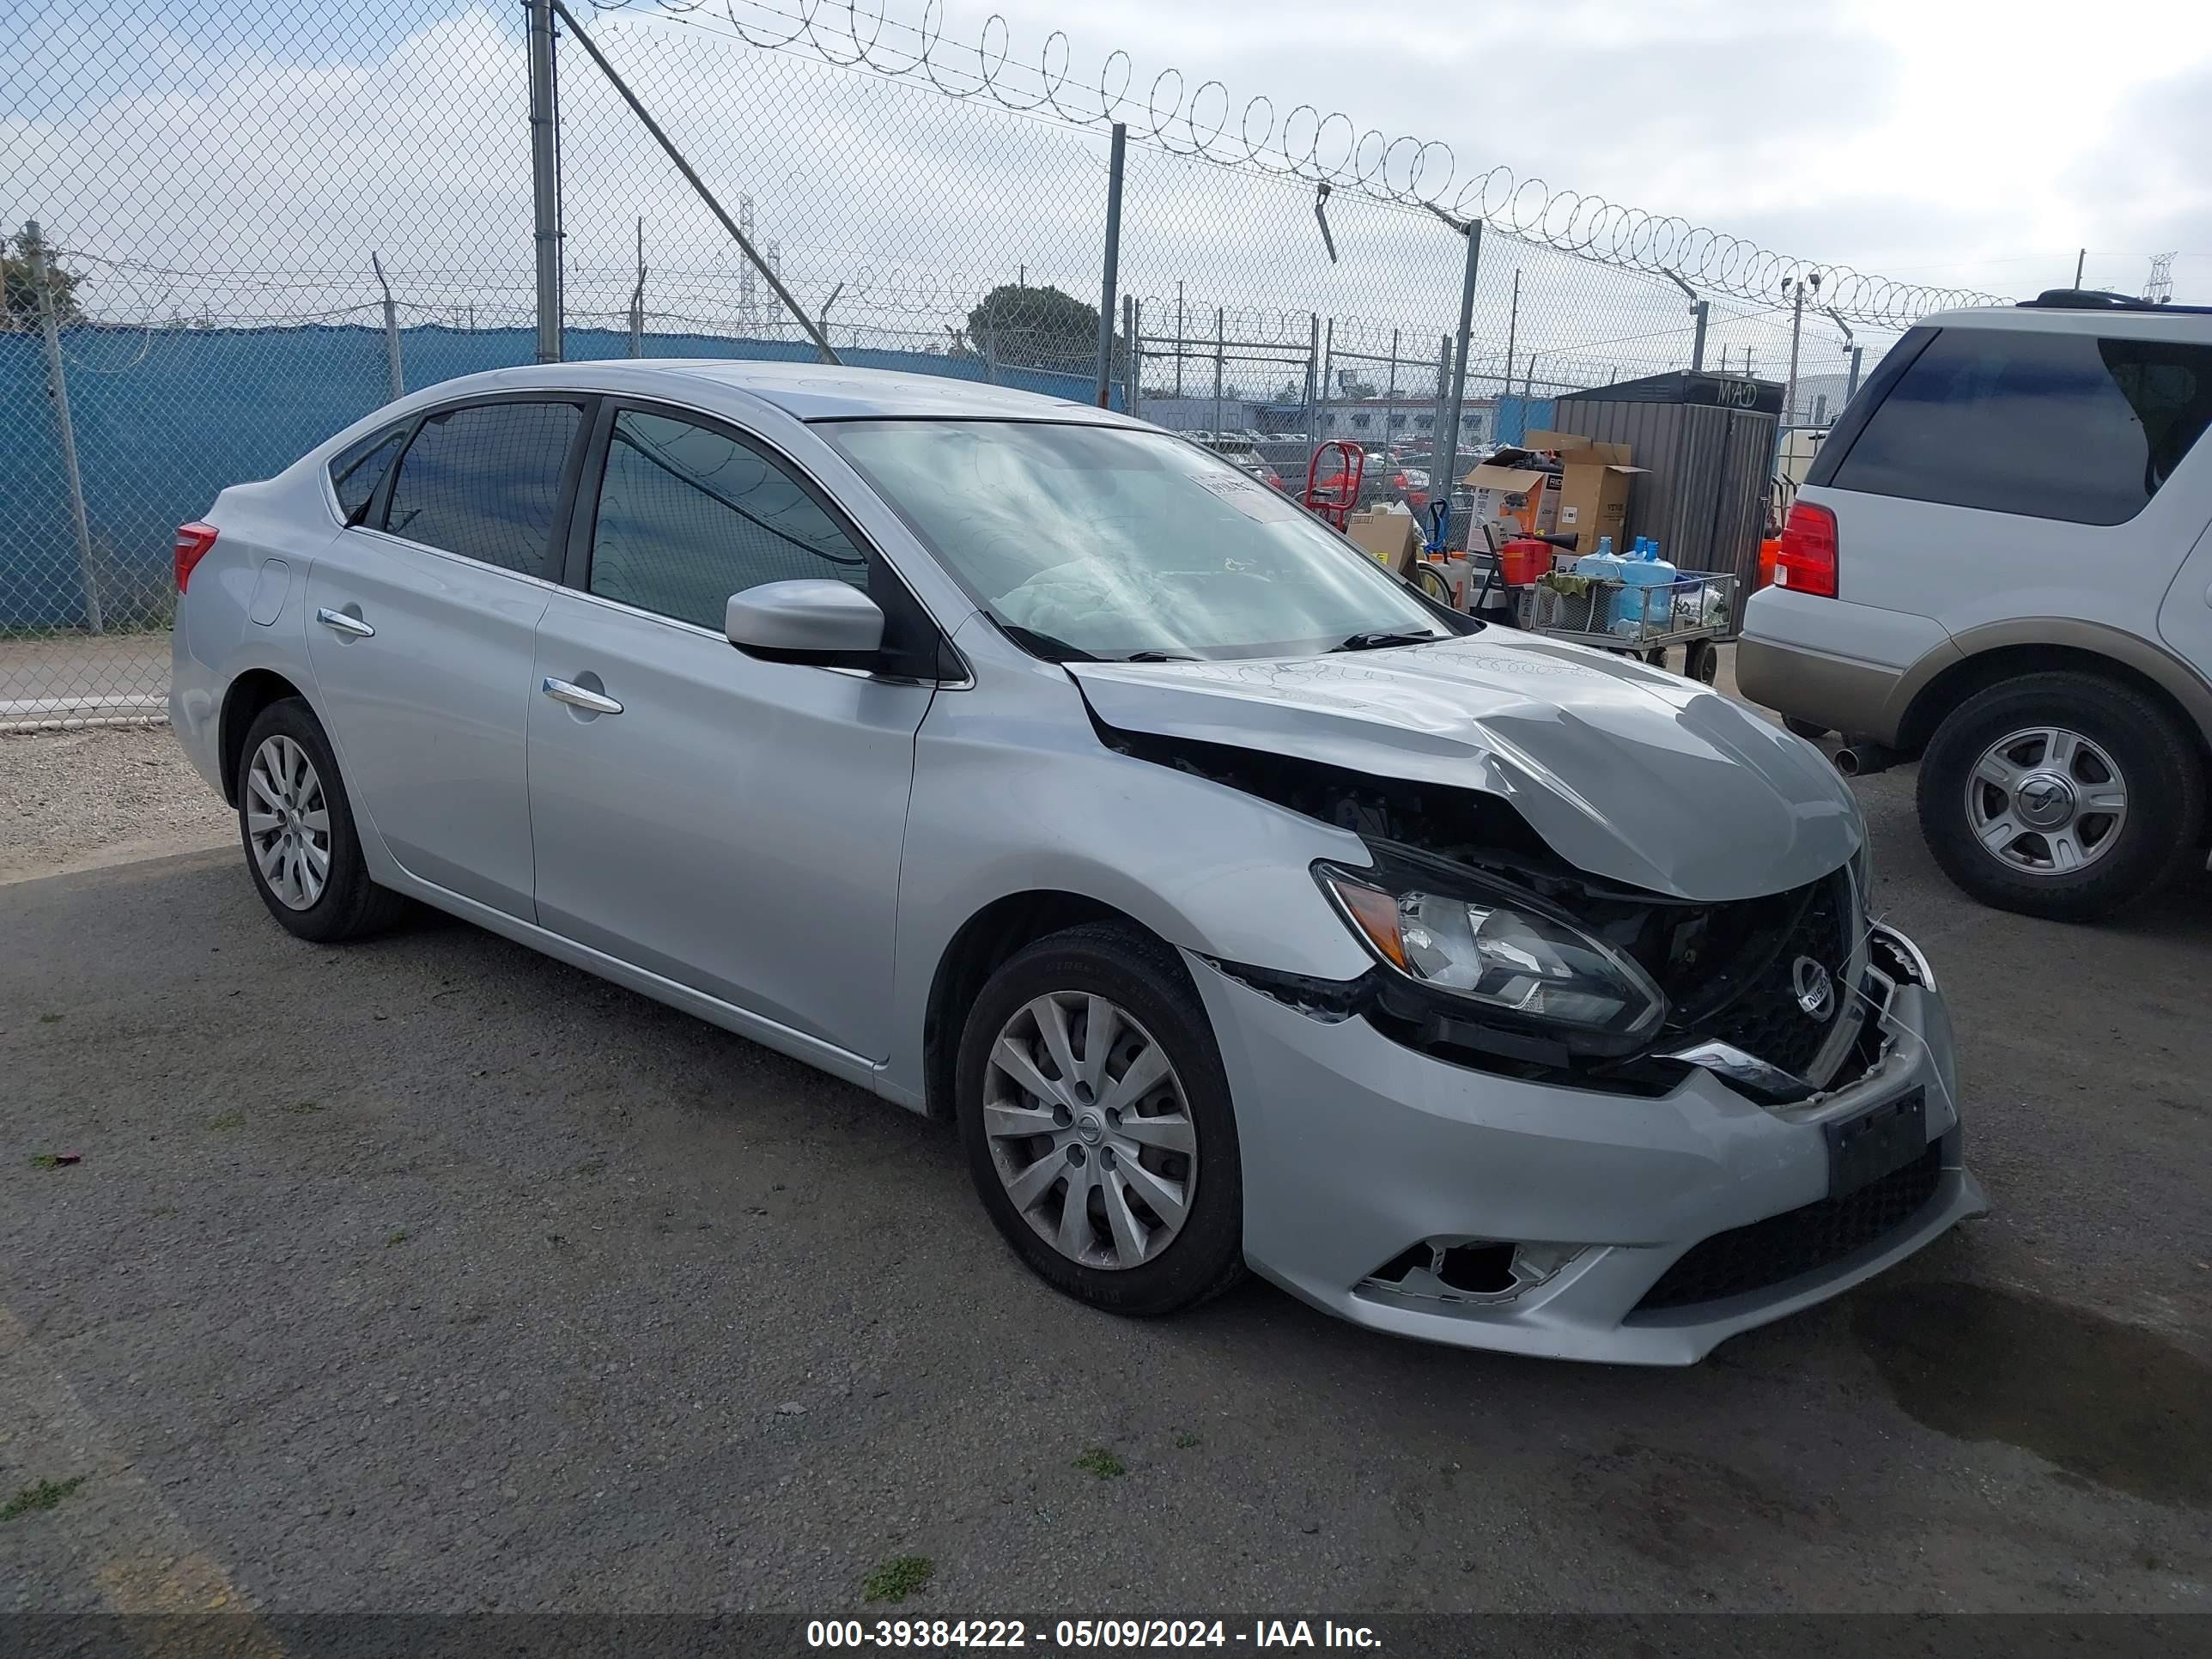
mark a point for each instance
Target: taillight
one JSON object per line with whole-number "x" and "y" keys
{"x": 1806, "y": 563}
{"x": 193, "y": 541}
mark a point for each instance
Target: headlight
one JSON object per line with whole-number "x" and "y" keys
{"x": 1500, "y": 951}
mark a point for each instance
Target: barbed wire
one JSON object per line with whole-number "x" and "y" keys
{"x": 1306, "y": 143}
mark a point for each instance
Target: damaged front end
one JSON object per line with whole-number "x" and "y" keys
{"x": 1490, "y": 951}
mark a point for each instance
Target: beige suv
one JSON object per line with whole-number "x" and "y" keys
{"x": 2000, "y": 562}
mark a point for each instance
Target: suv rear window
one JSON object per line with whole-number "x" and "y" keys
{"x": 2053, "y": 426}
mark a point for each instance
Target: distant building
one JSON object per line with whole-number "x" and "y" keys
{"x": 1372, "y": 422}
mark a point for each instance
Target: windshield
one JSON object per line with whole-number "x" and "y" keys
{"x": 1101, "y": 542}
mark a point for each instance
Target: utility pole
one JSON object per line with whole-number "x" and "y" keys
{"x": 637, "y": 297}
{"x": 1178, "y": 340}
{"x": 1857, "y": 350}
{"x": 1220, "y": 339}
{"x": 1512, "y": 331}
{"x": 1796, "y": 287}
{"x": 545, "y": 180}
{"x": 1700, "y": 309}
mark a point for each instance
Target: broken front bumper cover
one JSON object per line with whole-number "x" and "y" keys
{"x": 1357, "y": 1149}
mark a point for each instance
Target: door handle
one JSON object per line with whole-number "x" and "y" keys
{"x": 340, "y": 622}
{"x": 577, "y": 697}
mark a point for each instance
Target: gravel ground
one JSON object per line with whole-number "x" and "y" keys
{"x": 73, "y": 800}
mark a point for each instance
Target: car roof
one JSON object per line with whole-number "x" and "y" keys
{"x": 807, "y": 391}
{"x": 2111, "y": 322}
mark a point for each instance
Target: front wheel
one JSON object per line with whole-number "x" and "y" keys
{"x": 2064, "y": 795}
{"x": 1096, "y": 1117}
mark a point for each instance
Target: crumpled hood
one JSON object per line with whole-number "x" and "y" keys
{"x": 1629, "y": 772}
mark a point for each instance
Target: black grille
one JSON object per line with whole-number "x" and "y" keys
{"x": 1802, "y": 1241}
{"x": 1764, "y": 1020}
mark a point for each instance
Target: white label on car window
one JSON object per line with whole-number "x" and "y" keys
{"x": 1248, "y": 495}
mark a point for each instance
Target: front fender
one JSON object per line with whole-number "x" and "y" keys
{"x": 1015, "y": 794}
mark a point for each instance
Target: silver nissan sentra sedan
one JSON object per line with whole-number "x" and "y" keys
{"x": 1040, "y": 770}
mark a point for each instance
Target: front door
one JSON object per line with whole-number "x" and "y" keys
{"x": 731, "y": 825}
{"x": 422, "y": 623}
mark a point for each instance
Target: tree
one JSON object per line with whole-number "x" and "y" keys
{"x": 19, "y": 293}
{"x": 1037, "y": 327}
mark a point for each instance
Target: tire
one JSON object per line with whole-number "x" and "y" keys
{"x": 1812, "y": 731}
{"x": 1146, "y": 982}
{"x": 348, "y": 904}
{"x": 2121, "y": 858}
{"x": 1701, "y": 662}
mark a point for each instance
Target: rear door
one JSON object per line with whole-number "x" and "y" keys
{"x": 422, "y": 629}
{"x": 731, "y": 825}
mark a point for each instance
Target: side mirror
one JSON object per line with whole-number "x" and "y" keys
{"x": 827, "y": 623}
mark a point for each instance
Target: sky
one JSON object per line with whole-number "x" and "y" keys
{"x": 245, "y": 161}
{"x": 1974, "y": 143}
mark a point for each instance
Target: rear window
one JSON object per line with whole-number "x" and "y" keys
{"x": 357, "y": 470}
{"x": 2052, "y": 426}
{"x": 484, "y": 482}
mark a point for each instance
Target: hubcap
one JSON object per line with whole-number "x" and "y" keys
{"x": 2047, "y": 801}
{"x": 288, "y": 823}
{"x": 1090, "y": 1131}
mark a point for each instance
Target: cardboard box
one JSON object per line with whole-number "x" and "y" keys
{"x": 1511, "y": 492}
{"x": 1389, "y": 535}
{"x": 1595, "y": 482}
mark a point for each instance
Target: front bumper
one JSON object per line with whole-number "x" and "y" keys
{"x": 1356, "y": 1148}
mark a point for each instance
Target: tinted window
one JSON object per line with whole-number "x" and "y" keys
{"x": 357, "y": 470}
{"x": 688, "y": 516}
{"x": 485, "y": 482}
{"x": 2054, "y": 426}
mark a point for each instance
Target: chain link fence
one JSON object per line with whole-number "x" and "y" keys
{"x": 233, "y": 229}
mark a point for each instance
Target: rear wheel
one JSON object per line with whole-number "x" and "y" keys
{"x": 2064, "y": 795}
{"x": 297, "y": 827}
{"x": 1097, "y": 1122}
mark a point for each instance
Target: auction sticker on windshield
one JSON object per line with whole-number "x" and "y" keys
{"x": 1248, "y": 495}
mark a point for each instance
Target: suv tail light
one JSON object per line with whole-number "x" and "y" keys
{"x": 1806, "y": 563}
{"x": 193, "y": 541}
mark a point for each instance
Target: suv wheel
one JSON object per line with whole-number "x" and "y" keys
{"x": 297, "y": 828}
{"x": 2063, "y": 795}
{"x": 1097, "y": 1122}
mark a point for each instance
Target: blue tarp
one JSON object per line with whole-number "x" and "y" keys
{"x": 165, "y": 418}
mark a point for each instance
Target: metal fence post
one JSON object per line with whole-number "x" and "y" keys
{"x": 1512, "y": 332}
{"x": 1704, "y": 311}
{"x": 1129, "y": 354}
{"x": 991, "y": 350}
{"x": 1313, "y": 378}
{"x": 1448, "y": 437}
{"x": 1113, "y": 263}
{"x": 58, "y": 387}
{"x": 1327, "y": 372}
{"x": 1441, "y": 459}
{"x": 1858, "y": 352}
{"x": 391, "y": 331}
{"x": 545, "y": 179}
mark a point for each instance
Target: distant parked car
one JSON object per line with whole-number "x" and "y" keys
{"x": 2000, "y": 562}
{"x": 1027, "y": 766}
{"x": 1239, "y": 453}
